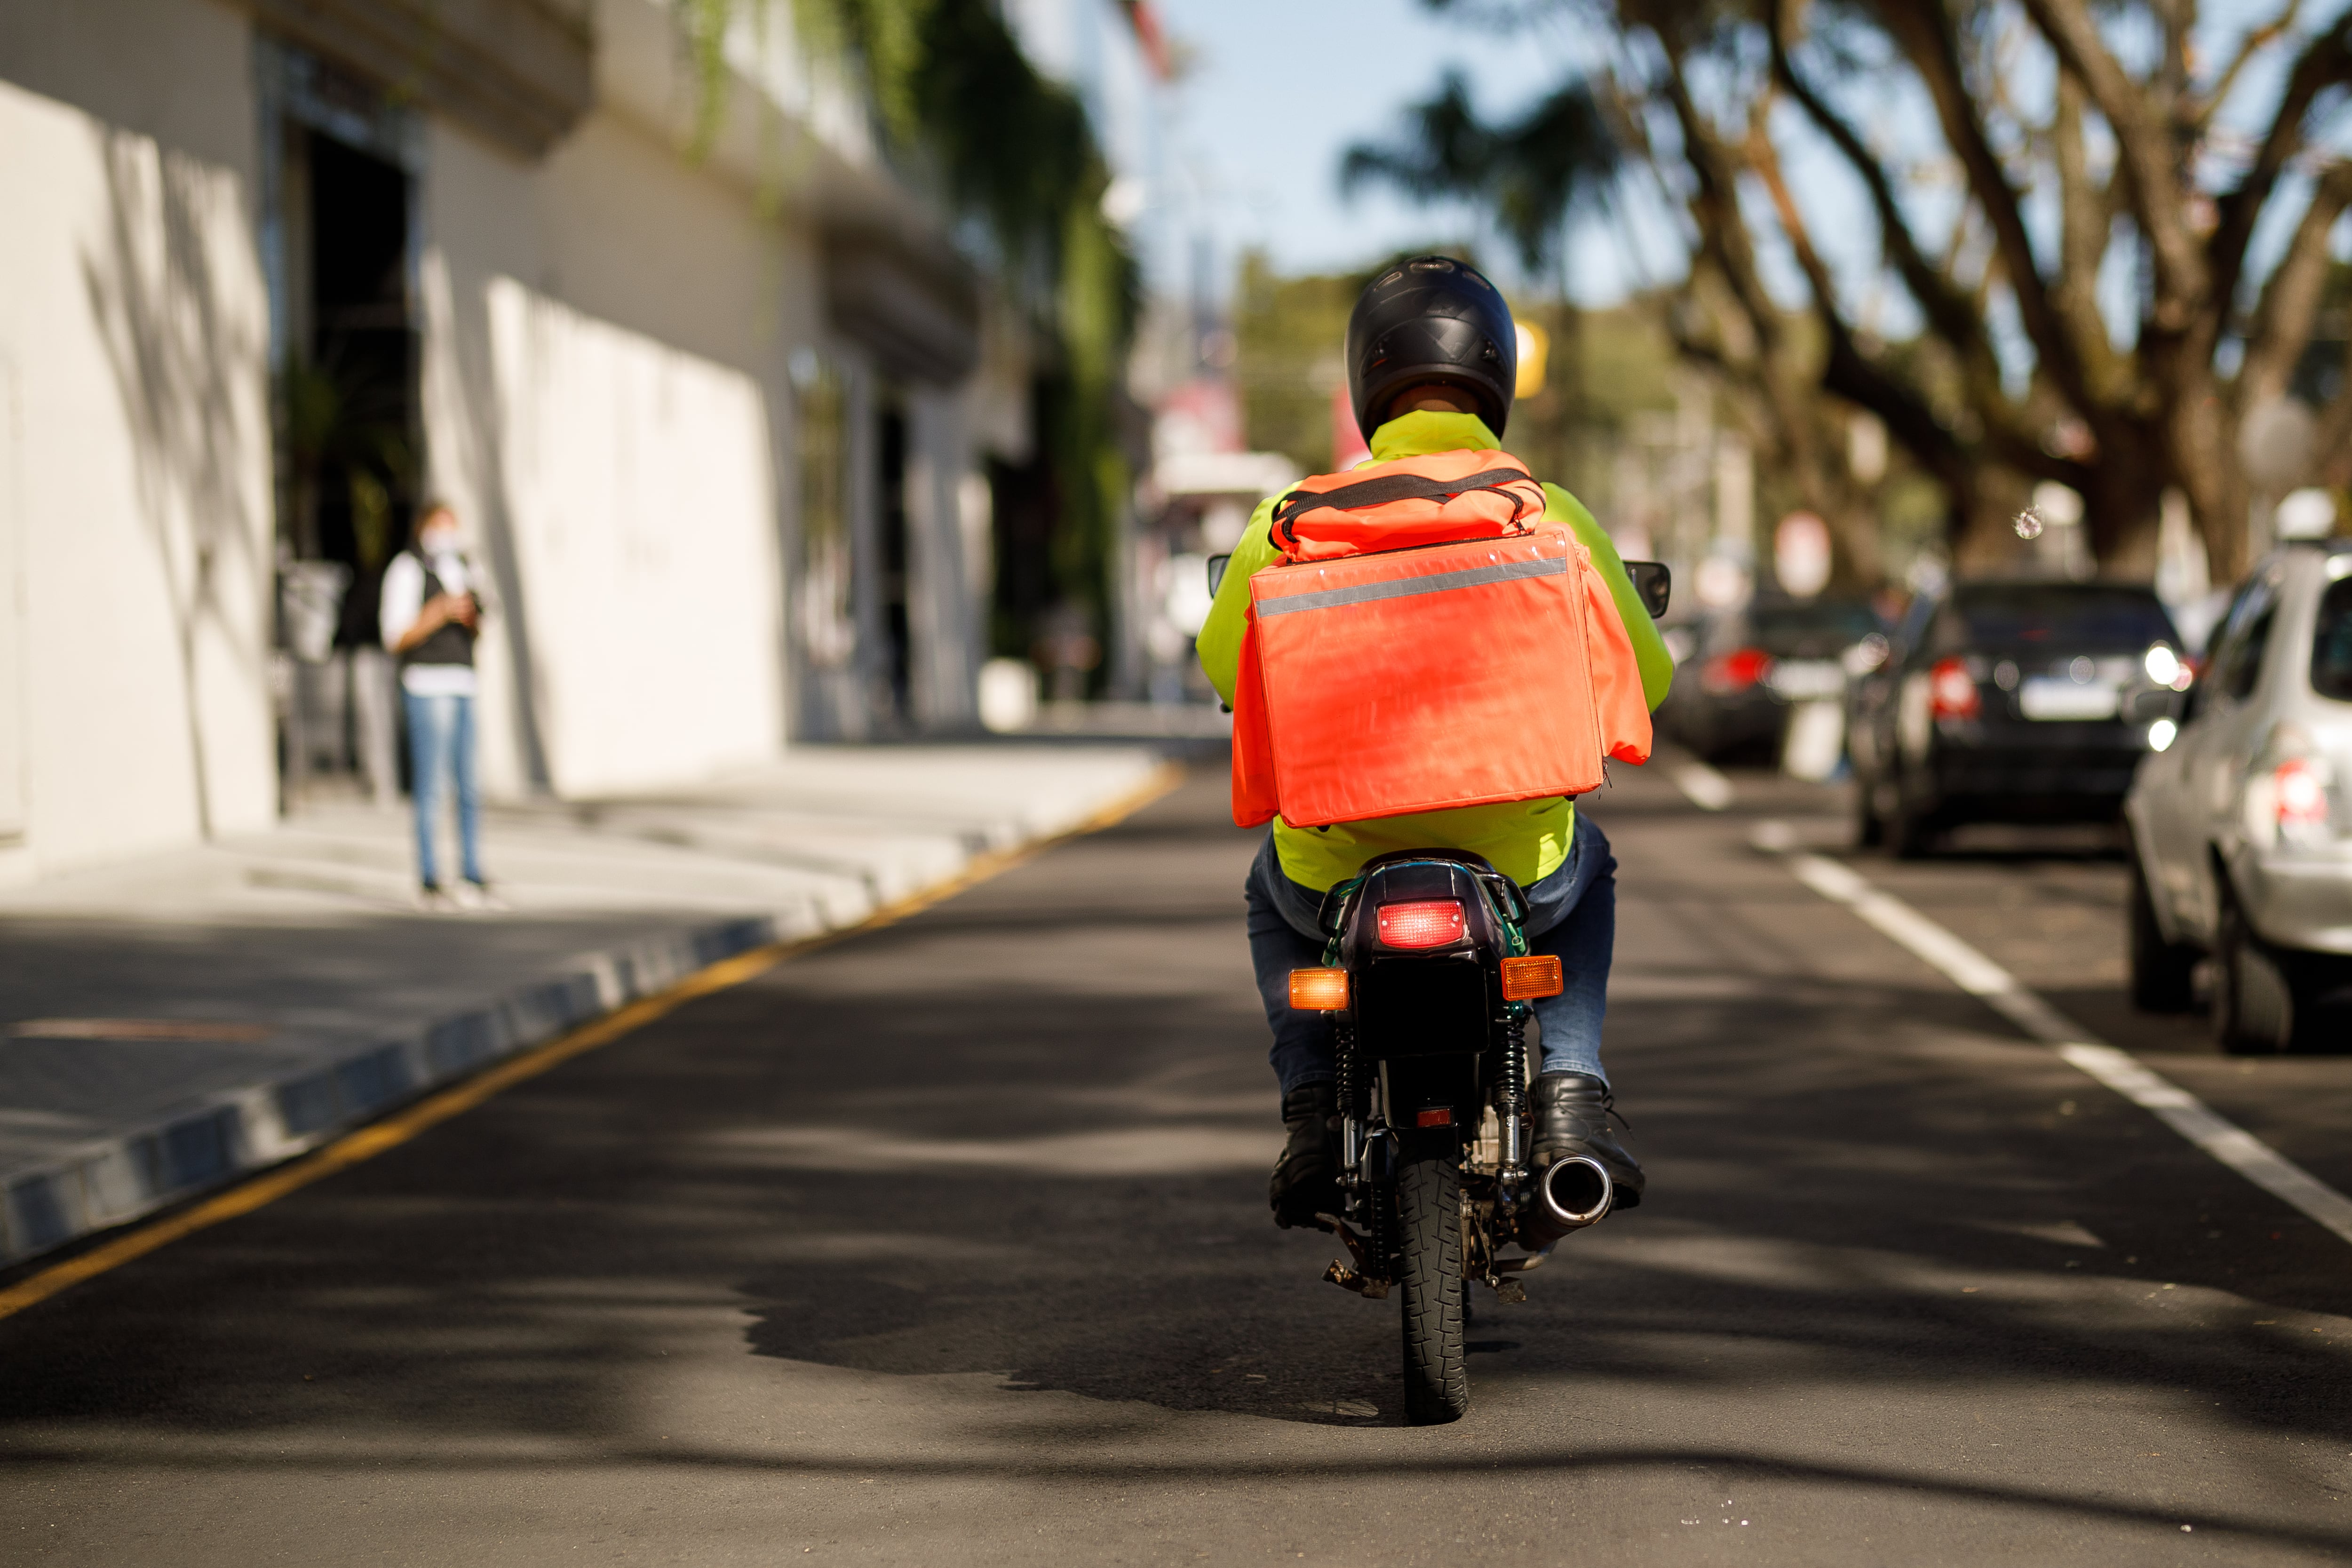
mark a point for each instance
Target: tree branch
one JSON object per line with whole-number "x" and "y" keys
{"x": 2150, "y": 156}
{"x": 1854, "y": 376}
{"x": 1948, "y": 309}
{"x": 2084, "y": 218}
{"x": 1924, "y": 29}
{"x": 2290, "y": 301}
{"x": 1715, "y": 206}
{"x": 2325, "y": 62}
{"x": 2253, "y": 44}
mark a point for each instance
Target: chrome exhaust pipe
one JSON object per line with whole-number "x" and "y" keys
{"x": 1576, "y": 1191}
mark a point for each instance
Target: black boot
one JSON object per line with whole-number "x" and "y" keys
{"x": 1307, "y": 1178}
{"x": 1572, "y": 1112}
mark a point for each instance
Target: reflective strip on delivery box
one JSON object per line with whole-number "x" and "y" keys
{"x": 1491, "y": 669}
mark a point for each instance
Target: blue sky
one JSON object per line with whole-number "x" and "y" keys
{"x": 1279, "y": 91}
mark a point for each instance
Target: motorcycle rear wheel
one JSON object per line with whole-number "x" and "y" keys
{"x": 1429, "y": 1273}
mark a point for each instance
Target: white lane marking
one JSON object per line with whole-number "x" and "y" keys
{"x": 1979, "y": 977}
{"x": 1708, "y": 790}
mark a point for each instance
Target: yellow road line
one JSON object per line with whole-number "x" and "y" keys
{"x": 377, "y": 1137}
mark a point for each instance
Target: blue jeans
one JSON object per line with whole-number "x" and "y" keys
{"x": 440, "y": 746}
{"x": 1571, "y": 914}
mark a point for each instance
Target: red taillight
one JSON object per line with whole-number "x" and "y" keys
{"x": 1430, "y": 923}
{"x": 2302, "y": 786}
{"x": 1952, "y": 690}
{"x": 1441, "y": 1117}
{"x": 1737, "y": 671}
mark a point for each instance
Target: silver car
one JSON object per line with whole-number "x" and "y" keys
{"x": 2241, "y": 820}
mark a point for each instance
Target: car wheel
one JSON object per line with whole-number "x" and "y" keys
{"x": 1912, "y": 834}
{"x": 2253, "y": 1013}
{"x": 2162, "y": 973}
{"x": 1869, "y": 828}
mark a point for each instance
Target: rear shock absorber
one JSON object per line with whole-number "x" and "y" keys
{"x": 1510, "y": 1108}
{"x": 1355, "y": 1110}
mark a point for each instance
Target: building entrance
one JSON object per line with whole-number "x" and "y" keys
{"x": 340, "y": 236}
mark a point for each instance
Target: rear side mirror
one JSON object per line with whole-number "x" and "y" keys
{"x": 1217, "y": 564}
{"x": 1652, "y": 580}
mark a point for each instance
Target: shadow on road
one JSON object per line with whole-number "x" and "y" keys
{"x": 1020, "y": 1143}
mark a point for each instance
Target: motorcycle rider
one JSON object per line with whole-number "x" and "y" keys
{"x": 1432, "y": 361}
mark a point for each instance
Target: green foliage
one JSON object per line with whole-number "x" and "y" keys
{"x": 703, "y": 24}
{"x": 952, "y": 92}
{"x": 1290, "y": 333}
{"x": 1096, "y": 316}
{"x": 1533, "y": 174}
{"x": 330, "y": 418}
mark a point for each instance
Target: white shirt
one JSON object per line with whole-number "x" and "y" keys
{"x": 404, "y": 601}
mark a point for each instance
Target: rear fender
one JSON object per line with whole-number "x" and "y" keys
{"x": 1423, "y": 1001}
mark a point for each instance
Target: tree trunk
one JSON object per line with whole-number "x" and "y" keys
{"x": 2205, "y": 458}
{"x": 2122, "y": 508}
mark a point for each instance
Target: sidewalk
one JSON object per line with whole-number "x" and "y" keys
{"x": 168, "y": 1024}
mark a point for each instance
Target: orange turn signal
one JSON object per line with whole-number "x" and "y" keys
{"x": 1324, "y": 990}
{"x": 1524, "y": 979}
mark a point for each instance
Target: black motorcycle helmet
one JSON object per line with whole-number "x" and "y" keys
{"x": 1432, "y": 318}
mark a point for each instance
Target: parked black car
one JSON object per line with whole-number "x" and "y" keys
{"x": 1733, "y": 694}
{"x": 2011, "y": 701}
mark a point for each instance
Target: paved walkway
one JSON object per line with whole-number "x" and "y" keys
{"x": 167, "y": 1024}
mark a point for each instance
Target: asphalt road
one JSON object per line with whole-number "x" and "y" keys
{"x": 948, "y": 1244}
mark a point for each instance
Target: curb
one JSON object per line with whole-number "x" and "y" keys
{"x": 229, "y": 1135}
{"x": 122, "y": 1177}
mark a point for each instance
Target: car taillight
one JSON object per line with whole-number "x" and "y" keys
{"x": 1432, "y": 922}
{"x": 2300, "y": 786}
{"x": 1952, "y": 690}
{"x": 1735, "y": 672}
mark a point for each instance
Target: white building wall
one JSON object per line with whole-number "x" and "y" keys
{"x": 605, "y": 372}
{"x": 642, "y": 505}
{"x": 606, "y": 397}
{"x": 135, "y": 437}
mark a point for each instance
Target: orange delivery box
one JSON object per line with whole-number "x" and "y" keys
{"x": 1427, "y": 642}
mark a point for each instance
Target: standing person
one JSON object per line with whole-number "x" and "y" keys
{"x": 431, "y": 616}
{"x": 1431, "y": 361}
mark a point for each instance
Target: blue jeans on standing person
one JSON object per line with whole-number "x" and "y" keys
{"x": 441, "y": 747}
{"x": 1571, "y": 915}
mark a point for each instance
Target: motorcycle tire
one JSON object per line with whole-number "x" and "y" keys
{"x": 1429, "y": 1274}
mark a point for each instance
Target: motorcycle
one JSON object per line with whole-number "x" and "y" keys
{"x": 1426, "y": 986}
{"x": 1426, "y": 983}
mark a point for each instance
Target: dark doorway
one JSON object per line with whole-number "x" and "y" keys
{"x": 1026, "y": 507}
{"x": 898, "y": 642}
{"x": 340, "y": 231}
{"x": 351, "y": 379}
